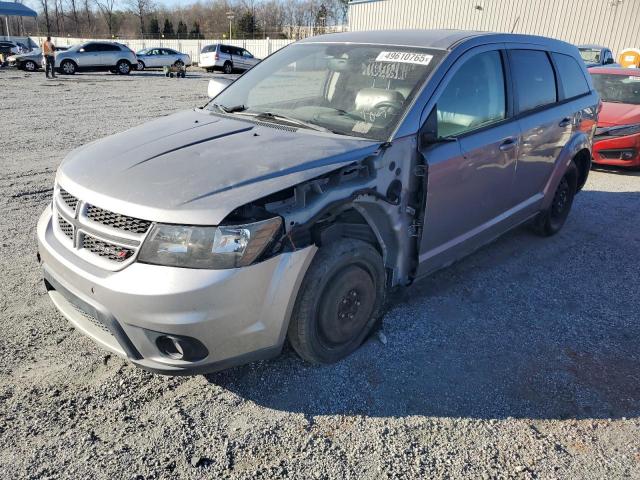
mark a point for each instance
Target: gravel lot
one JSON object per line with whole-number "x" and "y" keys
{"x": 520, "y": 361}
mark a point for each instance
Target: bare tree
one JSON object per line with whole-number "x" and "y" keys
{"x": 75, "y": 17}
{"x": 107, "y": 9}
{"x": 140, "y": 8}
{"x": 45, "y": 9}
{"x": 89, "y": 16}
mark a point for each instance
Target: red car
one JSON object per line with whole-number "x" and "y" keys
{"x": 617, "y": 138}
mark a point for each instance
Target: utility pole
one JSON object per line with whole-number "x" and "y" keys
{"x": 230, "y": 16}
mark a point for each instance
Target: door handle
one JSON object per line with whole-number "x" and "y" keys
{"x": 508, "y": 144}
{"x": 564, "y": 122}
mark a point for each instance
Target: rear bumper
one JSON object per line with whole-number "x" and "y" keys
{"x": 612, "y": 151}
{"x": 239, "y": 315}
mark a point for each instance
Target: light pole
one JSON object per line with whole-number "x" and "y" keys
{"x": 230, "y": 16}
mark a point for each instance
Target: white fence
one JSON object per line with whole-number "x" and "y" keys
{"x": 259, "y": 48}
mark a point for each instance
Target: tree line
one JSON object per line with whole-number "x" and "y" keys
{"x": 200, "y": 19}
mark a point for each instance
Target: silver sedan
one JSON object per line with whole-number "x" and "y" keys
{"x": 161, "y": 57}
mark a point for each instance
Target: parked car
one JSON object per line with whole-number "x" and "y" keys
{"x": 617, "y": 139}
{"x": 596, "y": 55}
{"x": 288, "y": 206}
{"x": 96, "y": 56}
{"x": 226, "y": 58}
{"x": 8, "y": 47}
{"x": 30, "y": 61}
{"x": 161, "y": 57}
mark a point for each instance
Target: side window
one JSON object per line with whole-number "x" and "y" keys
{"x": 246, "y": 54}
{"x": 534, "y": 79}
{"x": 92, "y": 47}
{"x": 571, "y": 77}
{"x": 225, "y": 49}
{"x": 474, "y": 97}
{"x": 206, "y": 49}
{"x": 110, "y": 48}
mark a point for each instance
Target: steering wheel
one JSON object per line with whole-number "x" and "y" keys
{"x": 387, "y": 108}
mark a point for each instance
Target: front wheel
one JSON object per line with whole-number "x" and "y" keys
{"x": 123, "y": 67}
{"x": 550, "y": 221}
{"x": 339, "y": 301}
{"x": 68, "y": 67}
{"x": 140, "y": 65}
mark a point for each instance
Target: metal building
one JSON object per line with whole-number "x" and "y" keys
{"x": 613, "y": 23}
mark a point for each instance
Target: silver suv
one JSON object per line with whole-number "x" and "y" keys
{"x": 339, "y": 168}
{"x": 226, "y": 58}
{"x": 96, "y": 56}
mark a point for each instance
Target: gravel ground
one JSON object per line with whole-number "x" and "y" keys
{"x": 520, "y": 361}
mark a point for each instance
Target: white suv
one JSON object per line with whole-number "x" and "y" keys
{"x": 226, "y": 58}
{"x": 94, "y": 56}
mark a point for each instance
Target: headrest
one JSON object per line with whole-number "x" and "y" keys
{"x": 369, "y": 98}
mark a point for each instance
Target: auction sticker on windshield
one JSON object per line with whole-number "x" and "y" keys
{"x": 405, "y": 57}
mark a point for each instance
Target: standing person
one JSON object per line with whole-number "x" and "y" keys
{"x": 48, "y": 50}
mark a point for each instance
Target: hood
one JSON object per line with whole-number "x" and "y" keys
{"x": 195, "y": 167}
{"x": 618, "y": 114}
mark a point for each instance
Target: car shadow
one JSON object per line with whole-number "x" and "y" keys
{"x": 527, "y": 327}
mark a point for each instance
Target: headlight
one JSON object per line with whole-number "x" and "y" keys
{"x": 226, "y": 246}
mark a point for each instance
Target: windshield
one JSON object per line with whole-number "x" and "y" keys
{"x": 349, "y": 89}
{"x": 590, "y": 55}
{"x": 142, "y": 52}
{"x": 618, "y": 88}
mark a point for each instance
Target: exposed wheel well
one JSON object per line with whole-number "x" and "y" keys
{"x": 346, "y": 224}
{"x": 582, "y": 159}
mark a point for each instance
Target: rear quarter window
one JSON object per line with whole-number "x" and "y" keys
{"x": 534, "y": 80}
{"x": 570, "y": 75}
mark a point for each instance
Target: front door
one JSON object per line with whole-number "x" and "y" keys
{"x": 471, "y": 163}
{"x": 90, "y": 57}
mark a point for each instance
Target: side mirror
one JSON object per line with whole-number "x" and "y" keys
{"x": 216, "y": 85}
{"x": 608, "y": 61}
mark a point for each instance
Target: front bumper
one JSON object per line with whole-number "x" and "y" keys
{"x": 239, "y": 315}
{"x": 612, "y": 151}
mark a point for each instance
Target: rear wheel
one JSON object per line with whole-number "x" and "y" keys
{"x": 339, "y": 301}
{"x": 227, "y": 68}
{"x": 68, "y": 67}
{"x": 123, "y": 67}
{"x": 30, "y": 66}
{"x": 179, "y": 64}
{"x": 551, "y": 221}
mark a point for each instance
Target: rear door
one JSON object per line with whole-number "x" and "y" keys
{"x": 110, "y": 54}
{"x": 169, "y": 57}
{"x": 472, "y": 163}
{"x": 546, "y": 126}
{"x": 248, "y": 59}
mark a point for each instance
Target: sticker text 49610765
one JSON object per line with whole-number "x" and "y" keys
{"x": 405, "y": 57}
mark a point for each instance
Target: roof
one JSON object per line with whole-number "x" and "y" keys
{"x": 441, "y": 39}
{"x": 630, "y": 72}
{"x": 12, "y": 9}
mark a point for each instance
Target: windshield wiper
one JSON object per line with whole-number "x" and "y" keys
{"x": 233, "y": 109}
{"x": 295, "y": 121}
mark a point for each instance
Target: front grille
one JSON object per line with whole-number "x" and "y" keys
{"x": 117, "y": 221}
{"x": 109, "y": 251}
{"x": 65, "y": 227}
{"x": 91, "y": 318}
{"x": 68, "y": 199}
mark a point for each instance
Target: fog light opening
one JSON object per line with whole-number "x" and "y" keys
{"x": 170, "y": 346}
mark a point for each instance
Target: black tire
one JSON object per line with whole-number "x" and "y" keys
{"x": 123, "y": 67}
{"x": 178, "y": 64}
{"x": 30, "y": 66}
{"x": 68, "y": 67}
{"x": 339, "y": 301}
{"x": 227, "y": 68}
{"x": 209, "y": 69}
{"x": 140, "y": 66}
{"x": 550, "y": 221}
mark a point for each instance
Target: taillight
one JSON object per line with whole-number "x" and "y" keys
{"x": 217, "y": 57}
